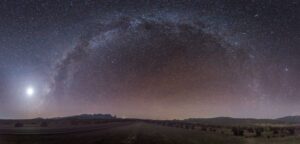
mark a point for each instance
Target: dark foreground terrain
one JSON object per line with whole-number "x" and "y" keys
{"x": 139, "y": 133}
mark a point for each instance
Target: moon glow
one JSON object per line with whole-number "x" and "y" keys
{"x": 29, "y": 91}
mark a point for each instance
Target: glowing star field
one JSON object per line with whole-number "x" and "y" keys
{"x": 142, "y": 59}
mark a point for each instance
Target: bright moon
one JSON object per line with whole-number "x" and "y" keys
{"x": 30, "y": 91}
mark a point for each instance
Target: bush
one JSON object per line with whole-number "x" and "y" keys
{"x": 237, "y": 131}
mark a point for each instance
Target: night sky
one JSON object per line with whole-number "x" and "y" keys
{"x": 150, "y": 59}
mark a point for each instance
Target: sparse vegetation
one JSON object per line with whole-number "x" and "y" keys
{"x": 244, "y": 134}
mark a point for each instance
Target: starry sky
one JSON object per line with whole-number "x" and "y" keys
{"x": 158, "y": 59}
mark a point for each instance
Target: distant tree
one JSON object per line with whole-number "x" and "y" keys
{"x": 186, "y": 126}
{"x": 258, "y": 132}
{"x": 250, "y": 130}
{"x": 291, "y": 131}
{"x": 241, "y": 132}
{"x": 192, "y": 126}
{"x": 18, "y": 124}
{"x": 213, "y": 130}
{"x": 237, "y": 131}
{"x": 98, "y": 122}
{"x": 44, "y": 124}
{"x": 171, "y": 124}
{"x": 275, "y": 132}
{"x": 74, "y": 123}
